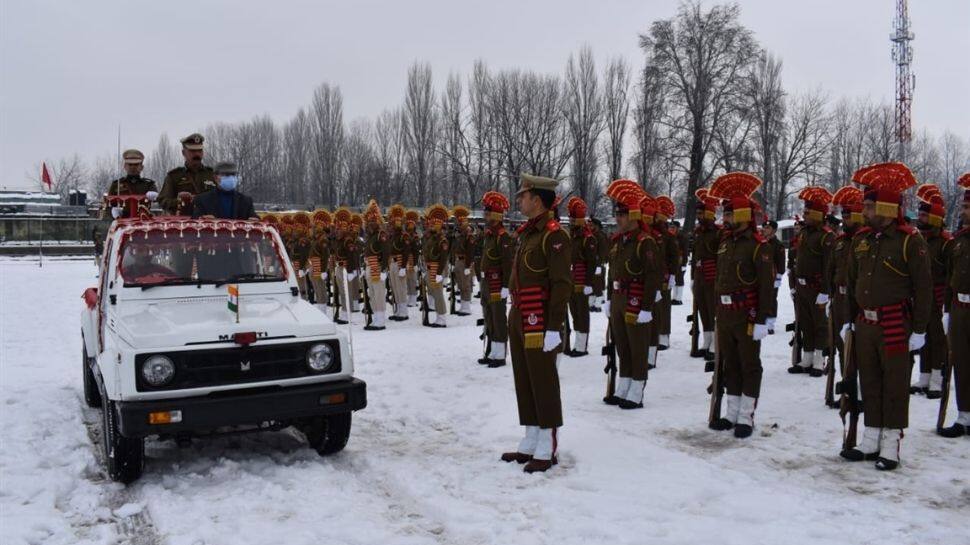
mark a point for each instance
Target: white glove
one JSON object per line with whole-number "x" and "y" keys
{"x": 683, "y": 269}
{"x": 658, "y": 297}
{"x": 402, "y": 273}
{"x": 115, "y": 212}
{"x": 645, "y": 317}
{"x": 151, "y": 195}
{"x": 777, "y": 283}
{"x": 778, "y": 277}
{"x": 598, "y": 271}
{"x": 946, "y": 323}
{"x": 550, "y": 341}
{"x": 351, "y": 275}
{"x": 324, "y": 276}
{"x": 916, "y": 341}
{"x": 821, "y": 299}
{"x": 846, "y": 328}
{"x": 300, "y": 273}
{"x": 760, "y": 332}
{"x": 504, "y": 293}
{"x": 438, "y": 279}
{"x": 587, "y": 290}
{"x": 383, "y": 276}
{"x": 467, "y": 272}
{"x": 606, "y": 308}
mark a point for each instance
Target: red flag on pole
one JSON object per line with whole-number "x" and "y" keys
{"x": 45, "y": 176}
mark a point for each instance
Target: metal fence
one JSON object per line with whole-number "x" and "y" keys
{"x": 31, "y": 231}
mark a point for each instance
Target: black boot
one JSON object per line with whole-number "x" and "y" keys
{"x": 493, "y": 364}
{"x": 708, "y": 366}
{"x": 856, "y": 455}
{"x": 612, "y": 400}
{"x": 627, "y": 404}
{"x": 742, "y": 431}
{"x": 954, "y": 431}
{"x": 815, "y": 372}
{"x": 797, "y": 369}
{"x": 933, "y": 394}
{"x": 708, "y": 355}
{"x": 884, "y": 464}
{"x": 721, "y": 424}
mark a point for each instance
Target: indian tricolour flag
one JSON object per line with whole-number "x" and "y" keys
{"x": 233, "y": 300}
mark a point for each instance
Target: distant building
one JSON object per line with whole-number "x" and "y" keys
{"x": 33, "y": 203}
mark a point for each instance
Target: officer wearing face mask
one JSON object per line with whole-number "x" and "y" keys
{"x": 226, "y": 202}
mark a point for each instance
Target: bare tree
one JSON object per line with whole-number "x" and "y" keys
{"x": 649, "y": 138}
{"x": 297, "y": 148}
{"x": 616, "y": 105}
{"x": 326, "y": 114}
{"x": 767, "y": 103}
{"x": 419, "y": 124}
{"x": 159, "y": 161}
{"x": 700, "y": 56}
{"x": 802, "y": 148}
{"x": 582, "y": 108}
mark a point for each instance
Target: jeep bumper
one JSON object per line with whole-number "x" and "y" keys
{"x": 243, "y": 408}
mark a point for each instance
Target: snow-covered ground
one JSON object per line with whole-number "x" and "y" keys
{"x": 422, "y": 463}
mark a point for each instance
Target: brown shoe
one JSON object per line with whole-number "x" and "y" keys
{"x": 535, "y": 465}
{"x": 516, "y": 457}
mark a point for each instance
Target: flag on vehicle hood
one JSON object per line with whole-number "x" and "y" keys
{"x": 233, "y": 301}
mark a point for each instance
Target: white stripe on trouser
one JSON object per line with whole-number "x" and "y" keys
{"x": 635, "y": 391}
{"x": 546, "y": 444}
{"x": 528, "y": 443}
{"x": 622, "y": 386}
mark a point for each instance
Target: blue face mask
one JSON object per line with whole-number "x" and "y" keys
{"x": 228, "y": 183}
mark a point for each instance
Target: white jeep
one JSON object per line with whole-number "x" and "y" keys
{"x": 198, "y": 328}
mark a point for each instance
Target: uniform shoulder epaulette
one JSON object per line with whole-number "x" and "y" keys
{"x": 553, "y": 226}
{"x": 176, "y": 169}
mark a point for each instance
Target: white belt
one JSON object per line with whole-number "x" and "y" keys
{"x": 802, "y": 281}
{"x": 871, "y": 315}
{"x": 963, "y": 297}
{"x": 726, "y": 300}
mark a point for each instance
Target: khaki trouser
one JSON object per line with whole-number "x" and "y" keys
{"x": 706, "y": 297}
{"x": 496, "y": 321}
{"x": 630, "y": 339}
{"x": 399, "y": 284}
{"x": 465, "y": 281}
{"x": 340, "y": 279}
{"x": 933, "y": 353}
{"x": 301, "y": 281}
{"x": 811, "y": 319}
{"x": 740, "y": 354}
{"x": 883, "y": 378}
{"x": 579, "y": 309}
{"x": 536, "y": 379}
{"x": 663, "y": 320}
{"x": 960, "y": 353}
{"x": 837, "y": 313}
{"x": 377, "y": 292}
{"x": 436, "y": 292}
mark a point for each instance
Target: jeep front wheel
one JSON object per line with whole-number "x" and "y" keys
{"x": 123, "y": 456}
{"x": 329, "y": 434}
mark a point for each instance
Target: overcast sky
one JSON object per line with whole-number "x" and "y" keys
{"x": 72, "y": 71}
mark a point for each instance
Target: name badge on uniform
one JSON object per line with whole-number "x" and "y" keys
{"x": 726, "y": 300}
{"x": 871, "y": 315}
{"x": 963, "y": 297}
{"x": 802, "y": 282}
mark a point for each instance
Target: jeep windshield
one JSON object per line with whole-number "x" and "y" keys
{"x": 150, "y": 259}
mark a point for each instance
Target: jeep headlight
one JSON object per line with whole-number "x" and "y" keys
{"x": 319, "y": 357}
{"x": 158, "y": 370}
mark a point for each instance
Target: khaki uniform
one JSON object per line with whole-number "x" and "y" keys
{"x": 415, "y": 246}
{"x": 671, "y": 258}
{"x": 540, "y": 285}
{"x": 683, "y": 247}
{"x": 777, "y": 250}
{"x": 436, "y": 252}
{"x": 345, "y": 254}
{"x": 745, "y": 289}
{"x": 399, "y": 254}
{"x": 128, "y": 185}
{"x": 584, "y": 263}
{"x": 636, "y": 272}
{"x": 890, "y": 296}
{"x": 375, "y": 273}
{"x": 838, "y": 280}
{"x": 496, "y": 266}
{"x": 183, "y": 179}
{"x": 464, "y": 254}
{"x": 319, "y": 266}
{"x": 814, "y": 250}
{"x": 602, "y": 257}
{"x": 958, "y": 305}
{"x": 707, "y": 238}
{"x": 933, "y": 354}
{"x": 300, "y": 257}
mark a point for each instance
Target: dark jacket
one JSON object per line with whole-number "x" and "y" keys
{"x": 207, "y": 204}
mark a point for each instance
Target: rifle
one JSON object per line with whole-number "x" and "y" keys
{"x": 609, "y": 350}
{"x": 849, "y": 403}
{"x": 695, "y": 330}
{"x": 796, "y": 341}
{"x": 454, "y": 288}
{"x": 716, "y": 389}
{"x": 567, "y": 337}
{"x": 944, "y": 400}
{"x": 423, "y": 294}
{"x": 335, "y": 299}
{"x": 830, "y": 369}
{"x": 368, "y": 310}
